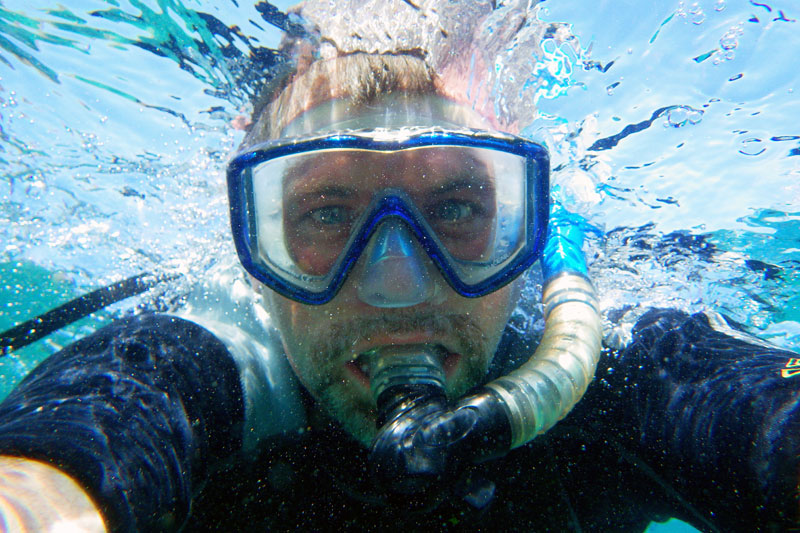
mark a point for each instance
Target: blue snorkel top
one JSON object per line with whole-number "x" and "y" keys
{"x": 563, "y": 249}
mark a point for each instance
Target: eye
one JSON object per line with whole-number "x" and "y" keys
{"x": 329, "y": 215}
{"x": 454, "y": 210}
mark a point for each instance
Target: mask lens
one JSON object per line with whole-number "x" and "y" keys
{"x": 308, "y": 206}
{"x": 476, "y": 207}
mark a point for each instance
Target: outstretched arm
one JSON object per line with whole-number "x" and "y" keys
{"x": 716, "y": 413}
{"x": 135, "y": 413}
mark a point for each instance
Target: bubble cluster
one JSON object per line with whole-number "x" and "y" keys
{"x": 694, "y": 13}
{"x": 682, "y": 115}
{"x": 729, "y": 40}
{"x": 728, "y": 43}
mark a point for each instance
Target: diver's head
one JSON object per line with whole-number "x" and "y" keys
{"x": 376, "y": 210}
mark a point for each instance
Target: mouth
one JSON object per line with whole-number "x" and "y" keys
{"x": 359, "y": 367}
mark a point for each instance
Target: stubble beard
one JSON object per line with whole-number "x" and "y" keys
{"x": 328, "y": 350}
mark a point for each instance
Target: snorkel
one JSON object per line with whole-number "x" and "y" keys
{"x": 546, "y": 388}
{"x": 420, "y": 437}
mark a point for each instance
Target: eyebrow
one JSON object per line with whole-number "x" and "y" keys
{"x": 331, "y": 191}
{"x": 299, "y": 171}
{"x": 303, "y": 169}
{"x": 483, "y": 183}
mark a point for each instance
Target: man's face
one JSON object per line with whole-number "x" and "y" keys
{"x": 454, "y": 191}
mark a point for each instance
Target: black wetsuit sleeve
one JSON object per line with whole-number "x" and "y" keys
{"x": 137, "y": 412}
{"x": 716, "y": 416}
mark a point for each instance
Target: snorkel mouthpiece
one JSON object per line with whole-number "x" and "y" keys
{"x": 400, "y": 374}
{"x": 422, "y": 440}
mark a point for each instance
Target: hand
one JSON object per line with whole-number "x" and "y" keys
{"x": 35, "y": 496}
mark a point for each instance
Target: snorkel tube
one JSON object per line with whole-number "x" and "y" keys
{"x": 546, "y": 387}
{"x": 421, "y": 439}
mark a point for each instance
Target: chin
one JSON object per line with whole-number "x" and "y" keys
{"x": 359, "y": 426}
{"x": 355, "y": 417}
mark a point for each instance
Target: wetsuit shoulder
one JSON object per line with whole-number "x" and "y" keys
{"x": 714, "y": 412}
{"x": 136, "y": 412}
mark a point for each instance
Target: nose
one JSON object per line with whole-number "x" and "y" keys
{"x": 396, "y": 272}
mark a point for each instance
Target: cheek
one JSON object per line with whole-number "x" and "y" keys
{"x": 291, "y": 321}
{"x": 294, "y": 320}
{"x": 315, "y": 255}
{"x": 493, "y": 310}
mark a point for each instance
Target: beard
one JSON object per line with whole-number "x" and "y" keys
{"x": 329, "y": 348}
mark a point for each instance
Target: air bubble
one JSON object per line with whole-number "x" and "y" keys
{"x": 676, "y": 117}
{"x": 697, "y": 14}
{"x": 729, "y": 41}
{"x": 752, "y": 146}
{"x": 719, "y": 5}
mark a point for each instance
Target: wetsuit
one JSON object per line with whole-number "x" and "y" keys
{"x": 686, "y": 420}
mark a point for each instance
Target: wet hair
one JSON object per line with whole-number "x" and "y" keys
{"x": 358, "y": 77}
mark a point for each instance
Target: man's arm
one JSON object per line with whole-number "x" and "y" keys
{"x": 715, "y": 413}
{"x": 135, "y": 413}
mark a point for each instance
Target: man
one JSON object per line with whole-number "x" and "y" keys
{"x": 386, "y": 240}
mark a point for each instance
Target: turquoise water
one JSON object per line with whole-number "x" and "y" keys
{"x": 672, "y": 127}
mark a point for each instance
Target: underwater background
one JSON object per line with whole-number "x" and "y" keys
{"x": 673, "y": 129}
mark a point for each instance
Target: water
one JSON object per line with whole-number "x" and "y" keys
{"x": 672, "y": 127}
{"x": 679, "y": 117}
{"x": 115, "y": 132}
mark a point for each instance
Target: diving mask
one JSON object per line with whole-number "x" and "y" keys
{"x": 305, "y": 208}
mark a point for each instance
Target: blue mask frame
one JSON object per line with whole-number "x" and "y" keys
{"x": 392, "y": 203}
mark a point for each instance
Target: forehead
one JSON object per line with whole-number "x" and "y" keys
{"x": 337, "y": 113}
{"x": 391, "y": 111}
{"x": 432, "y": 166}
